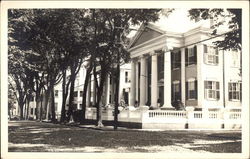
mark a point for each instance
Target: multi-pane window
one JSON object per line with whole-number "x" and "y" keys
{"x": 176, "y": 60}
{"x": 176, "y": 90}
{"x": 212, "y": 90}
{"x": 211, "y": 55}
{"x": 75, "y": 94}
{"x": 191, "y": 55}
{"x": 234, "y": 91}
{"x": 191, "y": 92}
{"x": 56, "y": 93}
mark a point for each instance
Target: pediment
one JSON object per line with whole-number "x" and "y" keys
{"x": 146, "y": 34}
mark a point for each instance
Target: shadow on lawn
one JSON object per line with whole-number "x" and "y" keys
{"x": 55, "y": 135}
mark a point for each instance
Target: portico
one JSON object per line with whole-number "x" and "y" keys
{"x": 151, "y": 67}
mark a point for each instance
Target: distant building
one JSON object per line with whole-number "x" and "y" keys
{"x": 168, "y": 67}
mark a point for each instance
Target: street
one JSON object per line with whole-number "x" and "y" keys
{"x": 33, "y": 136}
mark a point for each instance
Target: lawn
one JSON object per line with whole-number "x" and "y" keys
{"x": 30, "y": 136}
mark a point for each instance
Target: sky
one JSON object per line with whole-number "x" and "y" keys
{"x": 177, "y": 21}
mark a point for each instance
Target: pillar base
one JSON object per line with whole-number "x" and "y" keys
{"x": 167, "y": 107}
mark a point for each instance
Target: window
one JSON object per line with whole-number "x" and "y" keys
{"x": 234, "y": 91}
{"x": 75, "y": 94}
{"x": 212, "y": 90}
{"x": 176, "y": 60}
{"x": 191, "y": 55}
{"x": 176, "y": 90}
{"x": 31, "y": 111}
{"x": 81, "y": 93}
{"x": 191, "y": 89}
{"x": 126, "y": 76}
{"x": 56, "y": 93}
{"x": 211, "y": 55}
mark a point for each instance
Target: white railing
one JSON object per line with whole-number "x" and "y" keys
{"x": 166, "y": 114}
{"x": 169, "y": 116}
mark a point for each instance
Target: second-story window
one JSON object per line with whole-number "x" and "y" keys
{"x": 191, "y": 55}
{"x": 211, "y": 55}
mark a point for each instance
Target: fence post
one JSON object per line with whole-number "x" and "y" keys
{"x": 190, "y": 115}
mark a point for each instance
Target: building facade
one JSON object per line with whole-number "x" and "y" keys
{"x": 187, "y": 67}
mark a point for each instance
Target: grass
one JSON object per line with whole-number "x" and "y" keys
{"x": 30, "y": 135}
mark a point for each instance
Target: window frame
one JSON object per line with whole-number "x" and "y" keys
{"x": 214, "y": 90}
{"x": 189, "y": 82}
{"x": 176, "y": 93}
{"x": 238, "y": 86}
{"x": 211, "y": 52}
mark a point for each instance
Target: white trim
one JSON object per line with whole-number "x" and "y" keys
{"x": 192, "y": 79}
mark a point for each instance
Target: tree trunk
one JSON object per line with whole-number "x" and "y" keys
{"x": 47, "y": 104}
{"x": 117, "y": 96}
{"x": 53, "y": 119}
{"x": 27, "y": 109}
{"x": 41, "y": 108}
{"x": 71, "y": 96}
{"x": 99, "y": 96}
{"x": 64, "y": 98}
{"x": 84, "y": 94}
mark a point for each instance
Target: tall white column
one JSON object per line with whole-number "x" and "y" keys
{"x": 133, "y": 83}
{"x": 167, "y": 79}
{"x": 143, "y": 81}
{"x": 154, "y": 80}
{"x": 183, "y": 77}
{"x": 107, "y": 90}
{"x": 136, "y": 81}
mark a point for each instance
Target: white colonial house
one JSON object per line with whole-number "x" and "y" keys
{"x": 168, "y": 66}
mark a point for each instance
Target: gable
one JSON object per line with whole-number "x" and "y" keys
{"x": 146, "y": 35}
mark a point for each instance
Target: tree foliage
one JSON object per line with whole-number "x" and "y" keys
{"x": 233, "y": 38}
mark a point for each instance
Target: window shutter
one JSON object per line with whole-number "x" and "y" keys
{"x": 186, "y": 90}
{"x": 195, "y": 54}
{"x": 216, "y": 59}
{"x": 196, "y": 89}
{"x": 172, "y": 92}
{"x": 217, "y": 86}
{"x": 205, "y": 48}
{"x": 172, "y": 60}
{"x": 179, "y": 58}
{"x": 240, "y": 91}
{"x": 180, "y": 90}
{"x": 217, "y": 90}
{"x": 216, "y": 51}
{"x": 205, "y": 89}
{"x": 186, "y": 56}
